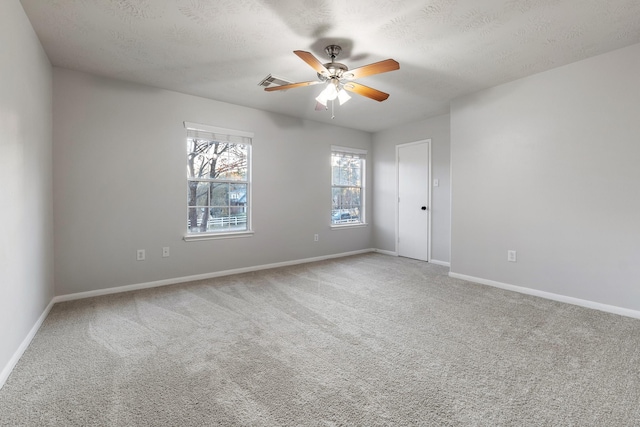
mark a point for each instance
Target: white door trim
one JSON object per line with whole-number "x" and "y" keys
{"x": 397, "y": 207}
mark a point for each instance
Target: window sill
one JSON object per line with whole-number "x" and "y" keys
{"x": 216, "y": 236}
{"x": 343, "y": 226}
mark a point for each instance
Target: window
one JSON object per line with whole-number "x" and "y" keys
{"x": 347, "y": 186}
{"x": 218, "y": 180}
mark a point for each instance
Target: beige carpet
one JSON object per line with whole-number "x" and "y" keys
{"x": 369, "y": 340}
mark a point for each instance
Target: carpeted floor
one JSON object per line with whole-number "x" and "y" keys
{"x": 368, "y": 340}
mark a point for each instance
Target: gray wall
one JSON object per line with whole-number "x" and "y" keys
{"x": 120, "y": 185}
{"x": 549, "y": 166}
{"x": 26, "y": 242}
{"x": 384, "y": 159}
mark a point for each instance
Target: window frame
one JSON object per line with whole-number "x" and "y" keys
{"x": 363, "y": 182}
{"x": 230, "y": 134}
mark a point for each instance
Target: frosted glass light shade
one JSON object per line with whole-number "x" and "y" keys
{"x": 343, "y": 96}
{"x": 331, "y": 91}
{"x": 322, "y": 98}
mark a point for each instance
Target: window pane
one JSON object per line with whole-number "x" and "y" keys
{"x": 202, "y": 195}
{"x": 220, "y": 194}
{"x": 345, "y": 216}
{"x": 355, "y": 175}
{"x": 238, "y": 198}
{"x": 218, "y": 212}
{"x": 198, "y": 193}
{"x": 232, "y": 163}
{"x": 195, "y": 218}
{"x": 347, "y": 172}
{"x": 224, "y": 219}
{"x": 346, "y": 198}
{"x": 198, "y": 158}
{"x": 350, "y": 176}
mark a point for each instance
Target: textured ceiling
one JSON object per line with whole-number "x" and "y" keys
{"x": 222, "y": 49}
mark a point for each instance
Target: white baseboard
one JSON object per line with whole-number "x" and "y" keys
{"x": 382, "y": 251}
{"x": 392, "y": 253}
{"x": 6, "y": 371}
{"x": 176, "y": 280}
{"x": 551, "y": 296}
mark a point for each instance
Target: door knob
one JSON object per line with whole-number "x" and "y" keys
{"x": 424, "y": 208}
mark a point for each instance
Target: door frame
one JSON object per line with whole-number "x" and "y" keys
{"x": 397, "y": 199}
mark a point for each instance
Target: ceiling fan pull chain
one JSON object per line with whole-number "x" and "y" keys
{"x": 333, "y": 116}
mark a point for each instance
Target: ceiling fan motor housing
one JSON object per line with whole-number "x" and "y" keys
{"x": 336, "y": 71}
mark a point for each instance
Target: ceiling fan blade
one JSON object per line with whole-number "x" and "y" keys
{"x": 375, "y": 68}
{"x": 312, "y": 61}
{"x": 366, "y": 91}
{"x": 291, "y": 86}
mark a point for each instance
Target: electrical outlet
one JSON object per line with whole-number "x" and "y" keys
{"x": 316, "y": 237}
{"x": 511, "y": 256}
{"x": 140, "y": 255}
{"x": 165, "y": 252}
{"x": 436, "y": 182}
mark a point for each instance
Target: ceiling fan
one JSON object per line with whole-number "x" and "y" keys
{"x": 339, "y": 78}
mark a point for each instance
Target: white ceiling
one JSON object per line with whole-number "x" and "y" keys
{"x": 222, "y": 49}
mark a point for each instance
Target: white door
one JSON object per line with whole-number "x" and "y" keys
{"x": 413, "y": 200}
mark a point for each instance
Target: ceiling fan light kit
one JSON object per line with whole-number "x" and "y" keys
{"x": 331, "y": 92}
{"x": 339, "y": 78}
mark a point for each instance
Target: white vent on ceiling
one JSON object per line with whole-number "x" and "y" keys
{"x": 273, "y": 81}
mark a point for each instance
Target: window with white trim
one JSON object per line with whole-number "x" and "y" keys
{"x": 347, "y": 186}
{"x": 218, "y": 180}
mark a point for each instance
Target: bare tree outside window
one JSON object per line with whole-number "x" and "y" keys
{"x": 217, "y": 185}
